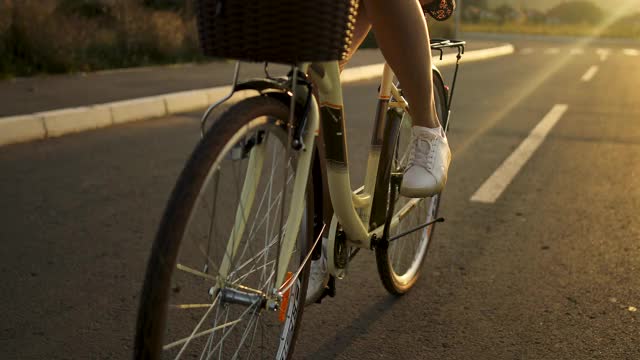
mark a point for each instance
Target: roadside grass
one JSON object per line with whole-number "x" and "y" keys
{"x": 51, "y": 36}
{"x": 615, "y": 31}
{"x": 62, "y": 36}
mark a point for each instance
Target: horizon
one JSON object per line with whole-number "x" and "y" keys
{"x": 548, "y": 4}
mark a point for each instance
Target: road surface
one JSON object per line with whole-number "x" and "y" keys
{"x": 545, "y": 268}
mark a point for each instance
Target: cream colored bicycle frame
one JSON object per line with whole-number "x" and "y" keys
{"x": 351, "y": 209}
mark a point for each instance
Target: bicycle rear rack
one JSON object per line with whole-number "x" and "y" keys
{"x": 442, "y": 44}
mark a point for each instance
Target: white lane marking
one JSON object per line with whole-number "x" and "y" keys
{"x": 526, "y": 51}
{"x": 631, "y": 52}
{"x": 576, "y": 51}
{"x": 603, "y": 53}
{"x": 493, "y": 187}
{"x": 552, "y": 51}
{"x": 589, "y": 74}
{"x": 374, "y": 71}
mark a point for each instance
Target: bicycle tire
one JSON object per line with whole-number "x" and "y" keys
{"x": 399, "y": 282}
{"x": 261, "y": 119}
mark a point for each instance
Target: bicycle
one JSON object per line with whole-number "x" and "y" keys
{"x": 253, "y": 202}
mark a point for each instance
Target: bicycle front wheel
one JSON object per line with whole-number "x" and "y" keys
{"x": 208, "y": 291}
{"x": 400, "y": 263}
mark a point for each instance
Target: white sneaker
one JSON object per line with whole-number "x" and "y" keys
{"x": 318, "y": 277}
{"x": 429, "y": 159}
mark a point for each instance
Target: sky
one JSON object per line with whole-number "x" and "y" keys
{"x": 546, "y": 4}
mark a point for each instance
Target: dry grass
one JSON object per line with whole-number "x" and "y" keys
{"x": 39, "y": 36}
{"x": 55, "y": 36}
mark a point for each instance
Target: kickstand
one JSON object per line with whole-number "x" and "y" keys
{"x": 329, "y": 290}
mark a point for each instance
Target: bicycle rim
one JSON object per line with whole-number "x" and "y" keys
{"x": 400, "y": 263}
{"x": 214, "y": 261}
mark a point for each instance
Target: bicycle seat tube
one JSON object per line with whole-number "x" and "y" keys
{"x": 326, "y": 76}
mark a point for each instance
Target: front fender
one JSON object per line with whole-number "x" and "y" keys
{"x": 278, "y": 89}
{"x": 261, "y": 85}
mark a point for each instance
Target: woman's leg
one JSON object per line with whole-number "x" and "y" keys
{"x": 401, "y": 32}
{"x": 403, "y": 37}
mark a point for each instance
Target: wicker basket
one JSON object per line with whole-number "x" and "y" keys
{"x": 283, "y": 31}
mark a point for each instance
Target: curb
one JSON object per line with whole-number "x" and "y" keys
{"x": 49, "y": 124}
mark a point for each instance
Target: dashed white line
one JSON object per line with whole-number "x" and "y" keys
{"x": 491, "y": 190}
{"x": 603, "y": 53}
{"x": 589, "y": 74}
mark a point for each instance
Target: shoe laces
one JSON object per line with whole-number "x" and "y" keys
{"x": 422, "y": 151}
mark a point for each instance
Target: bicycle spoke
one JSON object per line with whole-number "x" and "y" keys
{"x": 253, "y": 236}
{"x": 230, "y": 328}
{"x": 225, "y": 333}
{"x": 267, "y": 281}
{"x": 268, "y": 219}
{"x": 244, "y": 336}
{"x": 252, "y": 270}
{"x": 189, "y": 306}
{"x": 206, "y": 348}
{"x": 213, "y": 212}
{"x": 262, "y": 254}
{"x": 186, "y": 340}
{"x": 253, "y": 337}
{"x": 195, "y": 272}
{"x": 269, "y": 207}
{"x": 243, "y": 218}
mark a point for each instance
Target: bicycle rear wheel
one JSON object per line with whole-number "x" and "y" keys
{"x": 399, "y": 264}
{"x": 210, "y": 277}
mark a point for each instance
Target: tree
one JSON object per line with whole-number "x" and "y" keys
{"x": 482, "y": 4}
{"x": 504, "y": 13}
{"x": 576, "y": 12}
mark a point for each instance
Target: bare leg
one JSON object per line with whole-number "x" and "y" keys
{"x": 403, "y": 37}
{"x": 402, "y": 34}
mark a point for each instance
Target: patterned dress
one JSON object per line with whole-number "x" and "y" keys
{"x": 440, "y": 10}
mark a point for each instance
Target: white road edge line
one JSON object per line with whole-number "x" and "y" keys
{"x": 493, "y": 187}
{"x": 374, "y": 71}
{"x": 593, "y": 70}
{"x": 43, "y": 125}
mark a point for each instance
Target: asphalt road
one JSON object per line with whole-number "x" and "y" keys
{"x": 547, "y": 271}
